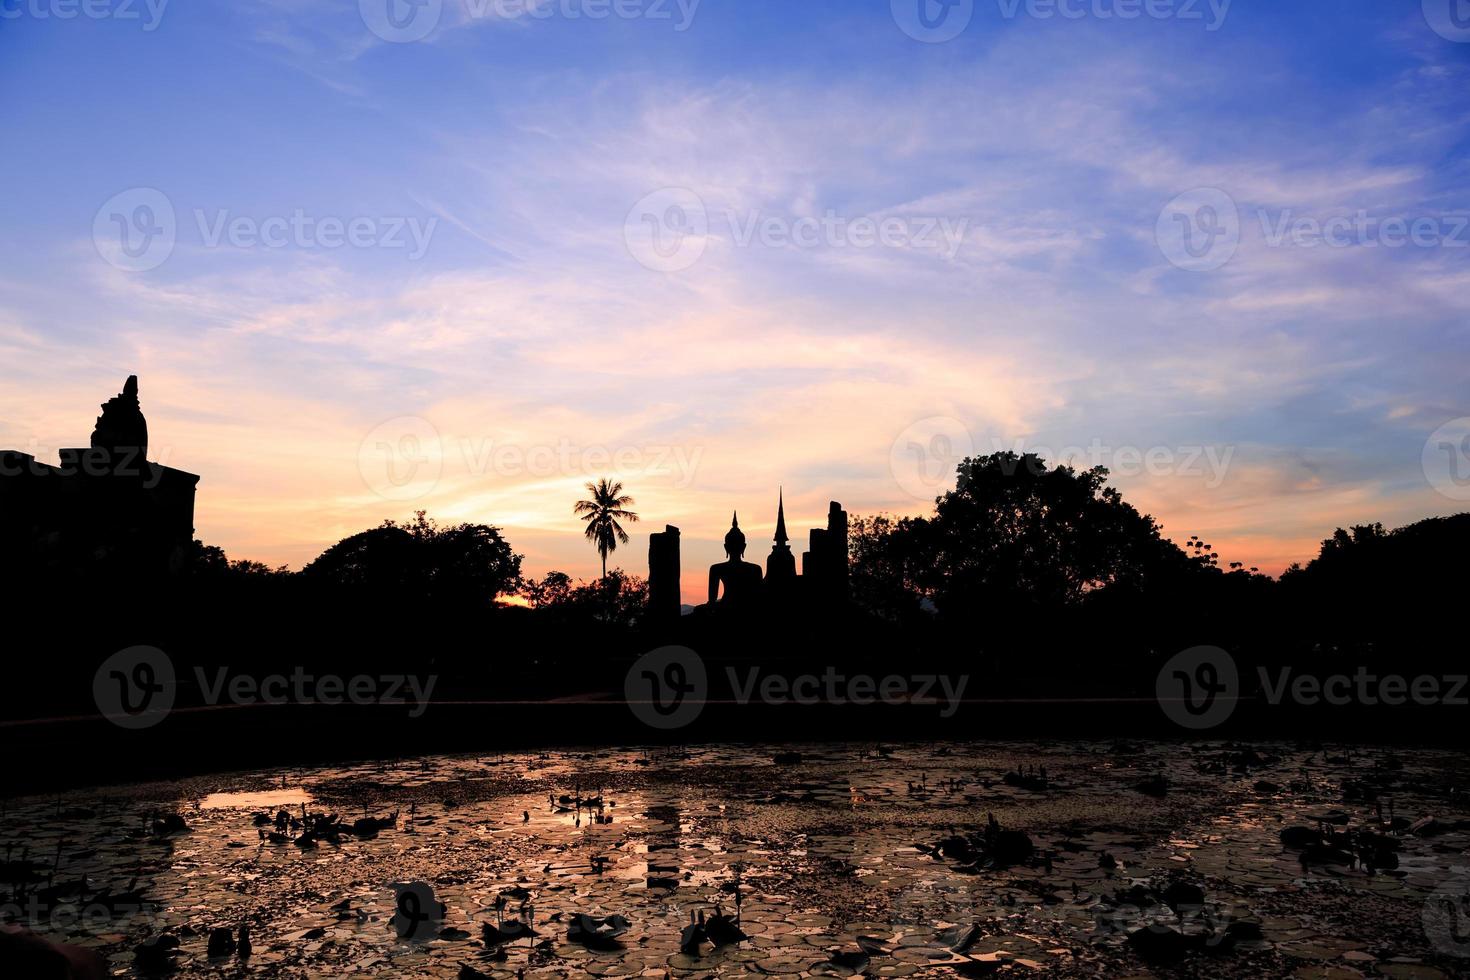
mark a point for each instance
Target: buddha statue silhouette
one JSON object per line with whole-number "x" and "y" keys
{"x": 741, "y": 580}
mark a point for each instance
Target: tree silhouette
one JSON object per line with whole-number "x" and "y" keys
{"x": 465, "y": 564}
{"x": 602, "y": 512}
{"x": 1015, "y": 533}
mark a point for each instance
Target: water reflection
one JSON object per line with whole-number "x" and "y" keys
{"x": 825, "y": 850}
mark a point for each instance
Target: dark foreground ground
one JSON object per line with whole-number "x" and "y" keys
{"x": 1128, "y": 859}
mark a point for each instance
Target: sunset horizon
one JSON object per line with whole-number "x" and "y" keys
{"x": 457, "y": 477}
{"x": 495, "y": 489}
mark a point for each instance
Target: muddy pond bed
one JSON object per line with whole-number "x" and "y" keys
{"x": 924, "y": 860}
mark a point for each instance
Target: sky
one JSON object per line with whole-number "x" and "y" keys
{"x": 464, "y": 256}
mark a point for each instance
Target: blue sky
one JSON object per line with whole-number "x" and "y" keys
{"x": 523, "y": 148}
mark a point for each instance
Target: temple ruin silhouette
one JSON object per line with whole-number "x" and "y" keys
{"x": 738, "y": 587}
{"x": 103, "y": 507}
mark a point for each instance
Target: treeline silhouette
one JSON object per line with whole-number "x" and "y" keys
{"x": 1036, "y": 582}
{"x": 1065, "y": 587}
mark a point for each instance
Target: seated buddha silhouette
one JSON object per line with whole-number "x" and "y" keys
{"x": 741, "y": 580}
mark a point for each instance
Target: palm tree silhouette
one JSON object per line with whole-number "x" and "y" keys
{"x": 602, "y": 513}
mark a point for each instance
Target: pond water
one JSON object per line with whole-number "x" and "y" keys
{"x": 830, "y": 855}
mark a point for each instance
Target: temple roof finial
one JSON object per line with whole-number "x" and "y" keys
{"x": 121, "y": 428}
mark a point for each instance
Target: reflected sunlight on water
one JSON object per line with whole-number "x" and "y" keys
{"x": 261, "y": 800}
{"x": 832, "y": 859}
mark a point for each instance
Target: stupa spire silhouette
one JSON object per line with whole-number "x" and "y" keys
{"x": 781, "y": 538}
{"x": 781, "y": 565}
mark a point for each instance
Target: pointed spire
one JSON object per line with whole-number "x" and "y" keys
{"x": 734, "y": 518}
{"x": 781, "y": 537}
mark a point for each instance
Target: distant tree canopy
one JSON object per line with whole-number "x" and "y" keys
{"x": 1416, "y": 574}
{"x": 1014, "y": 530}
{"x": 466, "y": 564}
{"x": 615, "y": 599}
{"x": 1012, "y": 534}
{"x": 207, "y": 561}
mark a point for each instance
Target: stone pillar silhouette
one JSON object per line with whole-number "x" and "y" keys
{"x": 664, "y": 600}
{"x": 824, "y": 566}
{"x": 837, "y": 549}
